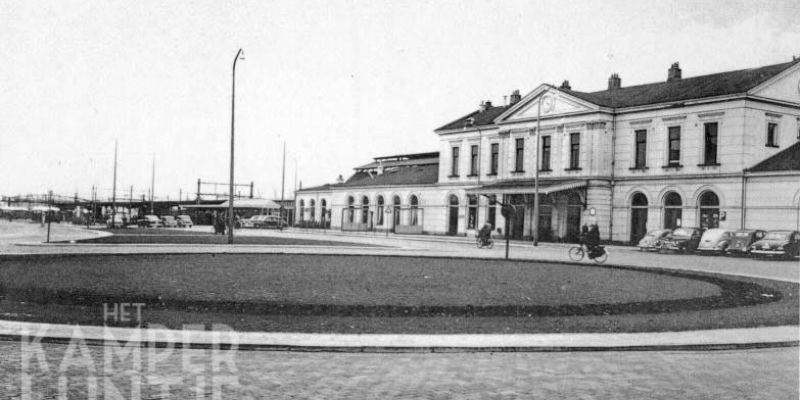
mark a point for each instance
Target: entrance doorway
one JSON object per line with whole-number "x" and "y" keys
{"x": 574, "y": 210}
{"x": 452, "y": 226}
{"x": 638, "y": 217}
{"x": 709, "y": 210}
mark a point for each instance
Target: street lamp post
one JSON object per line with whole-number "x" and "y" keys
{"x": 239, "y": 55}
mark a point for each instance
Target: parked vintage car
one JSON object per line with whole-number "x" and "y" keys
{"x": 715, "y": 241}
{"x": 778, "y": 243}
{"x": 263, "y": 221}
{"x": 742, "y": 239}
{"x": 168, "y": 221}
{"x": 150, "y": 221}
{"x": 118, "y": 222}
{"x": 652, "y": 239}
{"x": 682, "y": 239}
{"x": 184, "y": 221}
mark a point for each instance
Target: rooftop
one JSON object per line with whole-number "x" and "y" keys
{"x": 672, "y": 91}
{"x": 698, "y": 87}
{"x": 785, "y": 160}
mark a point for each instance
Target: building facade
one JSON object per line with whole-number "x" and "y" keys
{"x": 709, "y": 151}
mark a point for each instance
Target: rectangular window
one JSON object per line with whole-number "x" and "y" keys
{"x": 454, "y": 166}
{"x": 495, "y": 158}
{"x": 711, "y": 143}
{"x": 473, "y": 160}
{"x": 641, "y": 148}
{"x": 545, "y": 153}
{"x": 674, "y": 156}
{"x": 772, "y": 134}
{"x": 520, "y": 155}
{"x": 574, "y": 150}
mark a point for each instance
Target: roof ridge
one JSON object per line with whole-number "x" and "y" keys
{"x": 705, "y": 76}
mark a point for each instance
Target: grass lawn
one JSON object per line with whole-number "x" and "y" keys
{"x": 326, "y": 293}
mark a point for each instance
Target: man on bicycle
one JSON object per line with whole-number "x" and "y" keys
{"x": 592, "y": 241}
{"x": 485, "y": 234}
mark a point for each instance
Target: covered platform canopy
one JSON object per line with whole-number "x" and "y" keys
{"x": 264, "y": 204}
{"x": 527, "y": 187}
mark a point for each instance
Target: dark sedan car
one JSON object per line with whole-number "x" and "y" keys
{"x": 682, "y": 239}
{"x": 742, "y": 239}
{"x": 778, "y": 243}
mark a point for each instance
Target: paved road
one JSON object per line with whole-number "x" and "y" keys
{"x": 744, "y": 374}
{"x": 749, "y": 374}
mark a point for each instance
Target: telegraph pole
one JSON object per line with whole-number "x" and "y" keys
{"x": 283, "y": 182}
{"x": 114, "y": 189}
{"x": 153, "y": 186}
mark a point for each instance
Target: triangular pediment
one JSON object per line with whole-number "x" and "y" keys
{"x": 554, "y": 102}
{"x": 784, "y": 86}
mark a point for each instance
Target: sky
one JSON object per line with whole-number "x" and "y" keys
{"x": 340, "y": 82}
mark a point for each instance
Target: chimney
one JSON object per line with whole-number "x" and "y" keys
{"x": 565, "y": 85}
{"x": 485, "y": 105}
{"x": 614, "y": 82}
{"x": 674, "y": 72}
{"x": 515, "y": 97}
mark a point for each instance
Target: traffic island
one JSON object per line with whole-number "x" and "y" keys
{"x": 384, "y": 294}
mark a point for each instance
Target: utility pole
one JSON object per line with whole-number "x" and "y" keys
{"x": 239, "y": 54}
{"x": 536, "y": 174}
{"x": 153, "y": 186}
{"x": 49, "y": 213}
{"x": 283, "y": 182}
{"x": 114, "y": 189}
{"x": 130, "y": 204}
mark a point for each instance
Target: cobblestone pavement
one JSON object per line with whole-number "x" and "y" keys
{"x": 747, "y": 374}
{"x": 742, "y": 374}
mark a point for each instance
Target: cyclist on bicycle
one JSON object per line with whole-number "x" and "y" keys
{"x": 485, "y": 234}
{"x": 592, "y": 241}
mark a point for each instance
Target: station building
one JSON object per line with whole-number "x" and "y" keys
{"x": 719, "y": 150}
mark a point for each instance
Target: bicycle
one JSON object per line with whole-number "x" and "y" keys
{"x": 480, "y": 243}
{"x": 577, "y": 253}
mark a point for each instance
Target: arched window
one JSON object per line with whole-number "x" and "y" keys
{"x": 673, "y": 210}
{"x": 302, "y": 209}
{"x": 379, "y": 210}
{"x": 472, "y": 214}
{"x": 396, "y": 210}
{"x": 364, "y": 209}
{"x": 709, "y": 210}
{"x": 414, "y": 205}
{"x": 638, "y": 217}
{"x": 312, "y": 209}
{"x": 323, "y": 211}
{"x": 452, "y": 221}
{"x": 639, "y": 200}
{"x": 350, "y": 209}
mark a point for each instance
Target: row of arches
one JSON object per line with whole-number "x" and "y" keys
{"x": 366, "y": 217}
{"x": 312, "y": 210}
{"x": 672, "y": 205}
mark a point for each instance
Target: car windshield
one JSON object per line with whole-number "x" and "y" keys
{"x": 742, "y": 234}
{"x": 184, "y": 218}
{"x": 714, "y": 234}
{"x": 682, "y": 232}
{"x": 169, "y": 218}
{"x": 777, "y": 236}
{"x": 151, "y": 218}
